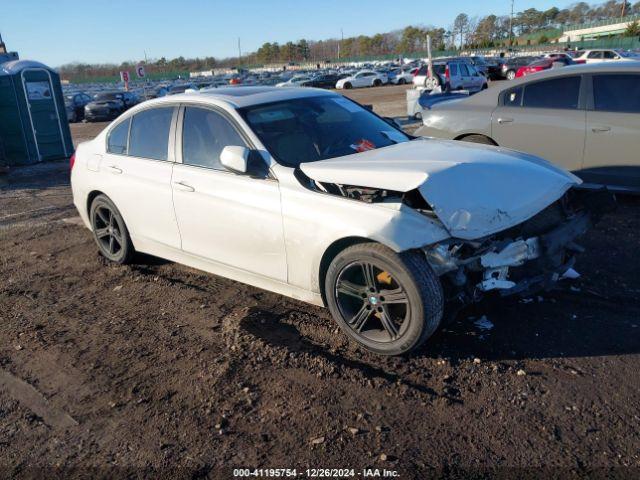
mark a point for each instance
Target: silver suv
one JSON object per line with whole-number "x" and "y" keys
{"x": 454, "y": 74}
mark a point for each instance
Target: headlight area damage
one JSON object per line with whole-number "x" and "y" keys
{"x": 514, "y": 219}
{"x": 521, "y": 260}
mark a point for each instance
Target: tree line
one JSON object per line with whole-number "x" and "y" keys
{"x": 465, "y": 32}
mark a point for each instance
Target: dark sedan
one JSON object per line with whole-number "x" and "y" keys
{"x": 108, "y": 105}
{"x": 512, "y": 65}
{"x": 75, "y": 103}
{"x": 323, "y": 81}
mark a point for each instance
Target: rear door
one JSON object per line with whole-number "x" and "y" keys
{"x": 612, "y": 150}
{"x": 544, "y": 118}
{"x": 136, "y": 171}
{"x": 465, "y": 77}
{"x": 455, "y": 78}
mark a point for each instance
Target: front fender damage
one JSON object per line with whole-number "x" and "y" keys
{"x": 525, "y": 259}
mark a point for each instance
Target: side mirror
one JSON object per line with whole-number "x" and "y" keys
{"x": 393, "y": 122}
{"x": 235, "y": 158}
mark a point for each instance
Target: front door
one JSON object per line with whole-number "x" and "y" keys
{"x": 231, "y": 219}
{"x": 544, "y": 118}
{"x": 44, "y": 115}
{"x": 612, "y": 150}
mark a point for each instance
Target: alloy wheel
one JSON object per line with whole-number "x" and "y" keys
{"x": 371, "y": 302}
{"x": 108, "y": 231}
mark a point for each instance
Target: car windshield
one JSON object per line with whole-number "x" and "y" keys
{"x": 108, "y": 96}
{"x": 629, "y": 55}
{"x": 309, "y": 129}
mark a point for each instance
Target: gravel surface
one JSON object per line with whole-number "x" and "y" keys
{"x": 161, "y": 371}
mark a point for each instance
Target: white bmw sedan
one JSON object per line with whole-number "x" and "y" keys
{"x": 306, "y": 193}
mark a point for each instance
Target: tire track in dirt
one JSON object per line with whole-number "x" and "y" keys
{"x": 30, "y": 398}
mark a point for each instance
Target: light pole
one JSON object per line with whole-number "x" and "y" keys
{"x": 511, "y": 25}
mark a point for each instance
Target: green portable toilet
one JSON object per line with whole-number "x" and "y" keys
{"x": 33, "y": 118}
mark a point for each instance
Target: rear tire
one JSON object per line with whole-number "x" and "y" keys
{"x": 478, "y": 139}
{"x": 402, "y": 81}
{"x": 388, "y": 302}
{"x": 109, "y": 231}
{"x": 511, "y": 74}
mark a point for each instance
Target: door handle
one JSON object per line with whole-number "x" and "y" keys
{"x": 600, "y": 129}
{"x": 114, "y": 169}
{"x": 185, "y": 187}
{"x": 502, "y": 121}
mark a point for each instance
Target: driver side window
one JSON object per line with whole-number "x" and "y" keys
{"x": 205, "y": 133}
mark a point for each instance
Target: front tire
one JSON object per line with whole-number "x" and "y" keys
{"x": 109, "y": 231}
{"x": 377, "y": 82}
{"x": 388, "y": 302}
{"x": 347, "y": 86}
{"x": 511, "y": 74}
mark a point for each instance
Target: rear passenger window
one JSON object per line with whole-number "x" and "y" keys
{"x": 150, "y": 133}
{"x": 513, "y": 97}
{"x": 594, "y": 55}
{"x": 204, "y": 134}
{"x": 616, "y": 93}
{"x": 117, "y": 141}
{"x": 561, "y": 93}
{"x": 464, "y": 71}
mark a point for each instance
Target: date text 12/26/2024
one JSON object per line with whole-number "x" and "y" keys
{"x": 315, "y": 473}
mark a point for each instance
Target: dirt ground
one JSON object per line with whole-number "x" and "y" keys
{"x": 161, "y": 371}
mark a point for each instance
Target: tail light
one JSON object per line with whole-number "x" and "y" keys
{"x": 72, "y": 161}
{"x": 447, "y": 73}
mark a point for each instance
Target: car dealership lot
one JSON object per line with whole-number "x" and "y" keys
{"x": 158, "y": 364}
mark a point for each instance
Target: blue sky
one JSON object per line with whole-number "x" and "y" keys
{"x": 62, "y": 31}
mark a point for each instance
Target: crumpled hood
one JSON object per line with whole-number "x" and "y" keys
{"x": 475, "y": 190}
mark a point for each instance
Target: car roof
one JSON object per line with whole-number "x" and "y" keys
{"x": 239, "y": 96}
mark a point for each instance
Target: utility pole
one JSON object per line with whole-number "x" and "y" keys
{"x": 340, "y": 42}
{"x": 239, "y": 53}
{"x": 624, "y": 6}
{"x": 511, "y": 25}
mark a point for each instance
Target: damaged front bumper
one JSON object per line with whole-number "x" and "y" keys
{"x": 509, "y": 267}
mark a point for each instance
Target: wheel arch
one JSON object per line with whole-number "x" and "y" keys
{"x": 330, "y": 253}
{"x": 90, "y": 198}
{"x": 465, "y": 135}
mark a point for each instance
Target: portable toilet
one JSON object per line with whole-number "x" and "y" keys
{"x": 33, "y": 118}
